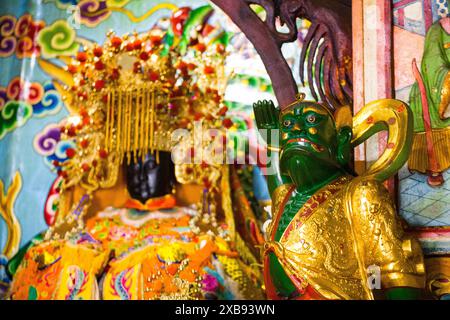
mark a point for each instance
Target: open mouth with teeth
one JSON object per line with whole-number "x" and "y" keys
{"x": 315, "y": 146}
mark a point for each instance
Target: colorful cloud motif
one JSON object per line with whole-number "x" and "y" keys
{"x": 48, "y": 143}
{"x": 58, "y": 39}
{"x": 8, "y": 39}
{"x": 21, "y": 100}
{"x": 51, "y": 102}
{"x": 63, "y": 4}
{"x": 4, "y": 278}
{"x": 45, "y": 142}
{"x": 90, "y": 12}
{"x": 93, "y": 12}
{"x": 14, "y": 114}
{"x": 19, "y": 36}
{"x": 19, "y": 90}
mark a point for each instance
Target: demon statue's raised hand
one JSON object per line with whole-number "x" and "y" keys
{"x": 332, "y": 233}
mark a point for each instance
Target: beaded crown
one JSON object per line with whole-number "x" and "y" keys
{"x": 127, "y": 96}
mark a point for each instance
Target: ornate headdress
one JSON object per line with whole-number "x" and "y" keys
{"x": 126, "y": 98}
{"x": 129, "y": 95}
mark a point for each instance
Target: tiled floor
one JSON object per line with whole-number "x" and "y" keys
{"x": 422, "y": 205}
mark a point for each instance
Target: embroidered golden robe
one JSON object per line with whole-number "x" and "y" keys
{"x": 341, "y": 233}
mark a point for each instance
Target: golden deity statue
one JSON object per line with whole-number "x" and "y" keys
{"x": 148, "y": 226}
{"x": 335, "y": 235}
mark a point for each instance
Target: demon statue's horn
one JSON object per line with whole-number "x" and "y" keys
{"x": 386, "y": 114}
{"x": 326, "y": 52}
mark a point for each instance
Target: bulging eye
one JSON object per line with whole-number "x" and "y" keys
{"x": 311, "y": 118}
{"x": 287, "y": 123}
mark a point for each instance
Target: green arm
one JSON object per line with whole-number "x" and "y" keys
{"x": 267, "y": 120}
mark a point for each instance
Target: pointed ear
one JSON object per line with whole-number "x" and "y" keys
{"x": 344, "y": 148}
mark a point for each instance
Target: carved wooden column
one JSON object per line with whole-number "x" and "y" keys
{"x": 358, "y": 73}
{"x": 372, "y": 69}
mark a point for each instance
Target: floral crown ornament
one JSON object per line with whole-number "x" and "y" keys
{"x": 129, "y": 96}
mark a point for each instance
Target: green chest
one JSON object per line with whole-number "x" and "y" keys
{"x": 280, "y": 280}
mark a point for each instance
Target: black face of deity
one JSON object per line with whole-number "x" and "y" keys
{"x": 148, "y": 179}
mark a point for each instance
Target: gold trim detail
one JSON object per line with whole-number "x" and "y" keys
{"x": 401, "y": 279}
{"x": 438, "y": 276}
{"x": 298, "y": 98}
{"x": 226, "y": 202}
{"x": 445, "y": 96}
{"x": 418, "y": 160}
{"x": 397, "y": 118}
{"x": 7, "y": 202}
